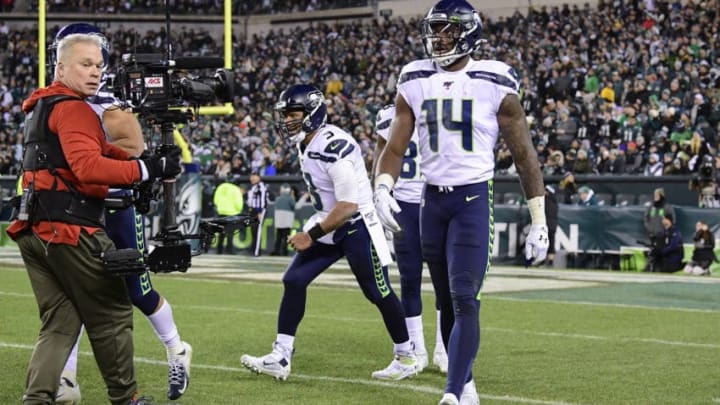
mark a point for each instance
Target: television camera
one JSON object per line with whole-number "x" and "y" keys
{"x": 152, "y": 86}
{"x": 705, "y": 184}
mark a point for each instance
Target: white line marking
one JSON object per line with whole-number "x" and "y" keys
{"x": 404, "y": 386}
{"x": 602, "y": 304}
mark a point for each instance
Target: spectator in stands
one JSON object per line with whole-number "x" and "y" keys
{"x": 587, "y": 197}
{"x": 703, "y": 253}
{"x": 666, "y": 256}
{"x": 654, "y": 214}
{"x": 654, "y": 166}
{"x": 567, "y": 188}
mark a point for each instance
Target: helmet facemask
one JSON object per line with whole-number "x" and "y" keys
{"x": 447, "y": 39}
{"x": 291, "y": 130}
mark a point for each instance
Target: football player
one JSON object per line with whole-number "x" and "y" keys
{"x": 407, "y": 192}
{"x": 344, "y": 225}
{"x": 459, "y": 106}
{"x": 126, "y": 229}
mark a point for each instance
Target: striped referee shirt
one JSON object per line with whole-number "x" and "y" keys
{"x": 258, "y": 197}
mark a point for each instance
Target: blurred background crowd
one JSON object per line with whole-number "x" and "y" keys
{"x": 627, "y": 87}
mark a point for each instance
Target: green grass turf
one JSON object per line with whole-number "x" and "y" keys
{"x": 620, "y": 345}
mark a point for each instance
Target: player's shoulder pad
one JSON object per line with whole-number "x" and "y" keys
{"x": 494, "y": 71}
{"x": 334, "y": 145}
{"x": 418, "y": 69}
{"x": 384, "y": 117}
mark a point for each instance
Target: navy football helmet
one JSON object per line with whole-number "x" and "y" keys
{"x": 451, "y": 29}
{"x": 305, "y": 98}
{"x": 78, "y": 28}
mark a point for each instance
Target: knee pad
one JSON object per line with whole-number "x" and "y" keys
{"x": 465, "y": 305}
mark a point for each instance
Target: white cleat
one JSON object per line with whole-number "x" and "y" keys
{"x": 422, "y": 359}
{"x": 275, "y": 364}
{"x": 470, "y": 395}
{"x": 440, "y": 358}
{"x": 179, "y": 372}
{"x": 448, "y": 399}
{"x": 404, "y": 365}
{"x": 69, "y": 391}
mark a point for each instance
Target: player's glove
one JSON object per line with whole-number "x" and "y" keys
{"x": 536, "y": 244}
{"x": 386, "y": 206}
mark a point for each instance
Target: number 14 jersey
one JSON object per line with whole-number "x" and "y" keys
{"x": 456, "y": 117}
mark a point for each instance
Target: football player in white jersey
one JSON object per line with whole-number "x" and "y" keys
{"x": 125, "y": 228}
{"x": 459, "y": 106}
{"x": 407, "y": 192}
{"x": 344, "y": 224}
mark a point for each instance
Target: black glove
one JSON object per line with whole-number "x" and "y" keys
{"x": 164, "y": 164}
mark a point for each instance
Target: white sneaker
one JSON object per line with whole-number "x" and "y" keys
{"x": 440, "y": 358}
{"x": 470, "y": 395}
{"x": 448, "y": 399}
{"x": 69, "y": 391}
{"x": 404, "y": 365}
{"x": 275, "y": 364}
{"x": 179, "y": 372}
{"x": 422, "y": 359}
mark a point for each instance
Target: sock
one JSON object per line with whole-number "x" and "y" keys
{"x": 438, "y": 334}
{"x": 286, "y": 341}
{"x": 415, "y": 330}
{"x": 71, "y": 364}
{"x": 163, "y": 324}
{"x": 406, "y": 346}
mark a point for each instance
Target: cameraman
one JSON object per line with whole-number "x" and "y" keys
{"x": 125, "y": 227}
{"x": 705, "y": 184}
{"x": 703, "y": 254}
{"x": 68, "y": 166}
{"x": 667, "y": 253}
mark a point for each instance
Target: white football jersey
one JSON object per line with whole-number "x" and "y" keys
{"x": 330, "y": 145}
{"x": 456, "y": 117}
{"x": 103, "y": 100}
{"x": 409, "y": 185}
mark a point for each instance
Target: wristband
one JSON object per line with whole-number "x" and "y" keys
{"x": 384, "y": 179}
{"x": 316, "y": 232}
{"x": 536, "y": 205}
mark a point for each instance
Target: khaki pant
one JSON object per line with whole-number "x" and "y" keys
{"x": 72, "y": 288}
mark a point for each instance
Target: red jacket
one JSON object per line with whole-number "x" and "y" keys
{"x": 94, "y": 163}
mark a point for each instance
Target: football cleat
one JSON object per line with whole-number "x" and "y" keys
{"x": 422, "y": 359}
{"x": 179, "y": 372}
{"x": 440, "y": 358}
{"x": 448, "y": 399}
{"x": 69, "y": 391}
{"x": 404, "y": 365}
{"x": 275, "y": 364}
{"x": 469, "y": 395}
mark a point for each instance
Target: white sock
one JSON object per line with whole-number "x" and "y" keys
{"x": 163, "y": 324}
{"x": 405, "y": 346}
{"x": 286, "y": 341}
{"x": 71, "y": 364}
{"x": 438, "y": 334}
{"x": 415, "y": 330}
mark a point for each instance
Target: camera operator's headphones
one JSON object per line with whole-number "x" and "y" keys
{"x": 78, "y": 28}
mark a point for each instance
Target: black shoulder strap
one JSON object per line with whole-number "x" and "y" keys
{"x": 42, "y": 148}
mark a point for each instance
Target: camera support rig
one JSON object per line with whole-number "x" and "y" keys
{"x": 147, "y": 81}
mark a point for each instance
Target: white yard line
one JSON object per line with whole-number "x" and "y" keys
{"x": 353, "y": 381}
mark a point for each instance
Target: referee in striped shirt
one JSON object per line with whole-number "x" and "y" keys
{"x": 257, "y": 200}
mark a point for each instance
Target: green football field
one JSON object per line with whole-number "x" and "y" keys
{"x": 548, "y": 337}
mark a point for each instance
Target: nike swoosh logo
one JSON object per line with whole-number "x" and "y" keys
{"x": 352, "y": 231}
{"x": 163, "y": 161}
{"x": 469, "y": 198}
{"x": 334, "y": 146}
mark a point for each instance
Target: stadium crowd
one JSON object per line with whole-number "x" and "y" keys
{"x": 206, "y": 7}
{"x": 624, "y": 87}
